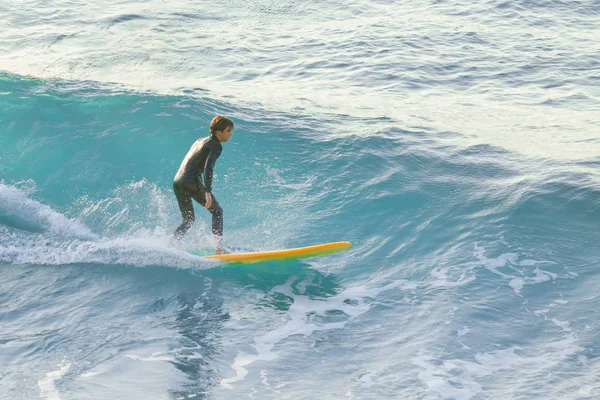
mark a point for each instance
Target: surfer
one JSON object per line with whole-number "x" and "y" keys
{"x": 188, "y": 184}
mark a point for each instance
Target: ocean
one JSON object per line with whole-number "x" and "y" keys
{"x": 456, "y": 144}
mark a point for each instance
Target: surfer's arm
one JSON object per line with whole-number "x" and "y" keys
{"x": 211, "y": 159}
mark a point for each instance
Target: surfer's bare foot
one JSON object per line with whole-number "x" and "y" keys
{"x": 220, "y": 251}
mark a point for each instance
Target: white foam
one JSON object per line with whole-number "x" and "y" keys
{"x": 90, "y": 374}
{"x": 18, "y": 248}
{"x": 156, "y": 356}
{"x": 540, "y": 276}
{"x": 16, "y": 204}
{"x": 46, "y": 384}
{"x": 463, "y": 331}
{"x": 517, "y": 283}
{"x": 564, "y": 325}
{"x": 457, "y": 378}
{"x": 301, "y": 321}
{"x": 492, "y": 264}
{"x": 366, "y": 380}
{"x": 442, "y": 280}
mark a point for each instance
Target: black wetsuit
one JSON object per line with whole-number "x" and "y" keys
{"x": 188, "y": 184}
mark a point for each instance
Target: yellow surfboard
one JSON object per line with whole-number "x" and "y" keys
{"x": 286, "y": 254}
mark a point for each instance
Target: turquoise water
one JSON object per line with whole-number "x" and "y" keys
{"x": 454, "y": 144}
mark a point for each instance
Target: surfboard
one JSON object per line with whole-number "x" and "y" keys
{"x": 285, "y": 254}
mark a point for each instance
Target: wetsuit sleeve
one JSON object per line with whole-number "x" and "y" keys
{"x": 211, "y": 159}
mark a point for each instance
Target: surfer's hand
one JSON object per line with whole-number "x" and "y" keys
{"x": 208, "y": 203}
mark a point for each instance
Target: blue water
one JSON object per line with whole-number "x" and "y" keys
{"x": 455, "y": 144}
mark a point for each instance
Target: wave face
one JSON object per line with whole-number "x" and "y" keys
{"x": 454, "y": 144}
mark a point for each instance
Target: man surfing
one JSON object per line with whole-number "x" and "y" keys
{"x": 188, "y": 184}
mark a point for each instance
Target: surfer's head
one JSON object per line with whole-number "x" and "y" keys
{"x": 221, "y": 128}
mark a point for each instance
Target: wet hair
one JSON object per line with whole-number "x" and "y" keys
{"x": 220, "y": 123}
